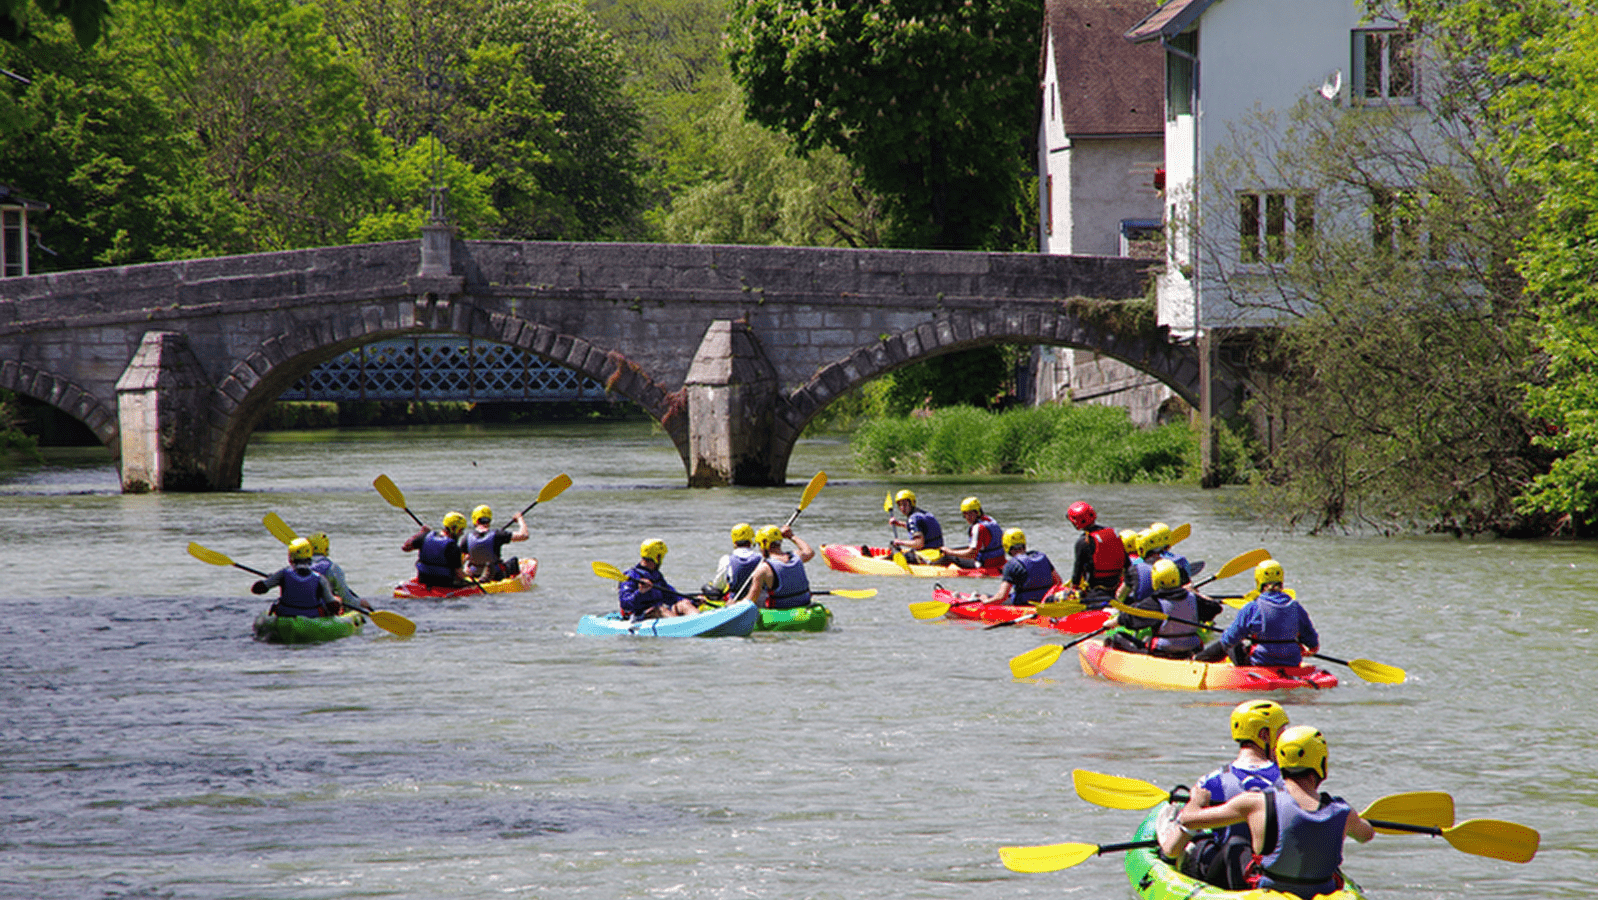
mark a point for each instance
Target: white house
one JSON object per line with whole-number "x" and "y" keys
{"x": 14, "y": 209}
{"x": 1100, "y": 147}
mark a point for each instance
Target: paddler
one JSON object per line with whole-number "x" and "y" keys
{"x": 1100, "y": 557}
{"x": 1175, "y": 637}
{"x": 734, "y": 569}
{"x": 925, "y": 543}
{"x": 645, "y": 593}
{"x": 1137, "y": 578}
{"x": 1221, "y": 857}
{"x": 302, "y": 591}
{"x": 1027, "y": 577}
{"x": 780, "y": 582}
{"x": 1154, "y": 544}
{"x": 985, "y": 546}
{"x": 1272, "y": 629}
{"x": 480, "y": 546}
{"x": 438, "y": 553}
{"x": 333, "y": 572}
{"x": 1296, "y": 833}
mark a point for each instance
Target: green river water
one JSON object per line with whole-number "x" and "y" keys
{"x": 151, "y": 749}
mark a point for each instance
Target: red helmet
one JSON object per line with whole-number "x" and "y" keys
{"x": 1081, "y": 515}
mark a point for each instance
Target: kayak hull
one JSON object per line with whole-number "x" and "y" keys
{"x": 736, "y": 620}
{"x": 415, "y": 590}
{"x": 963, "y": 607}
{"x": 303, "y": 630}
{"x": 846, "y": 558}
{"x": 814, "y": 617}
{"x": 1187, "y": 675}
{"x": 1154, "y": 879}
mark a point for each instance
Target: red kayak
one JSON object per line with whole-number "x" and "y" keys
{"x": 964, "y": 606}
{"x": 415, "y": 590}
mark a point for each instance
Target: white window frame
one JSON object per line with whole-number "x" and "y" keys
{"x": 1273, "y": 223}
{"x": 1375, "y": 48}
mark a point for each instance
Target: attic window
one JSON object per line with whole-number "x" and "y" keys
{"x": 1384, "y": 67}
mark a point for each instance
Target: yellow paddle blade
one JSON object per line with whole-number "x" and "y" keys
{"x": 1036, "y": 660}
{"x": 1137, "y": 611}
{"x": 392, "y": 622}
{"x": 1243, "y": 562}
{"x": 606, "y": 570}
{"x": 929, "y": 609}
{"x": 388, "y": 490}
{"x": 817, "y": 482}
{"x": 1496, "y": 839}
{"x": 1046, "y": 858}
{"x": 1381, "y": 673}
{"x": 1116, "y": 792}
{"x": 1180, "y": 533}
{"x": 1059, "y": 609}
{"x": 900, "y": 561}
{"x": 1431, "y": 809}
{"x": 207, "y": 555}
{"x": 853, "y": 593}
{"x": 887, "y": 502}
{"x": 552, "y": 490}
{"x": 279, "y": 528}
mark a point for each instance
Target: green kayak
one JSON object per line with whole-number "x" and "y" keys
{"x": 302, "y": 630}
{"x": 814, "y": 617}
{"x": 1155, "y": 879}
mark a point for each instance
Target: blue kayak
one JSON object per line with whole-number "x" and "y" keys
{"x": 736, "y": 620}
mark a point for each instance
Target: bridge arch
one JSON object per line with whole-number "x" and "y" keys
{"x": 64, "y": 395}
{"x": 255, "y": 382}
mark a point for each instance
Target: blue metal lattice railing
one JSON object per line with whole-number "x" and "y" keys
{"x": 442, "y": 367}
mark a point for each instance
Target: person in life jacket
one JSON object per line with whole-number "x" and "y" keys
{"x": 481, "y": 545}
{"x": 1176, "y": 637}
{"x": 645, "y": 593}
{"x": 1100, "y": 557}
{"x": 303, "y": 592}
{"x": 780, "y": 582}
{"x": 1221, "y": 857}
{"x": 734, "y": 569}
{"x": 985, "y": 547}
{"x": 1154, "y": 544}
{"x": 333, "y": 572}
{"x": 1027, "y": 577}
{"x": 1297, "y": 831}
{"x": 1137, "y": 579}
{"x": 439, "y": 562}
{"x": 1272, "y": 629}
{"x": 925, "y": 543}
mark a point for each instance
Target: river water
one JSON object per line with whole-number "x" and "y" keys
{"x": 150, "y": 748}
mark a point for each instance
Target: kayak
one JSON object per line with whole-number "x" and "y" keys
{"x": 736, "y": 620}
{"x": 962, "y": 606}
{"x": 1155, "y": 879}
{"x": 306, "y": 630}
{"x": 415, "y": 590}
{"x": 1188, "y": 675}
{"x": 878, "y": 561}
{"x": 814, "y": 617}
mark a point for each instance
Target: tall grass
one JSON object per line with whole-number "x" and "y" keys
{"x": 1091, "y": 444}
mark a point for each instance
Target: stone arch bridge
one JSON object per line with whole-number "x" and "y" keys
{"x": 732, "y": 349}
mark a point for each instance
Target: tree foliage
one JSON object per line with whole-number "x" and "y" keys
{"x": 22, "y": 20}
{"x": 933, "y": 102}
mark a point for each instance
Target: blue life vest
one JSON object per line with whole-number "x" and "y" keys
{"x": 1229, "y": 781}
{"x": 1277, "y": 638}
{"x": 990, "y": 547}
{"x": 1140, "y": 578}
{"x": 301, "y": 593}
{"x": 1032, "y": 577}
{"x": 793, "y": 585}
{"x": 1171, "y": 636}
{"x": 634, "y": 601}
{"x": 741, "y": 563}
{"x": 433, "y": 557}
{"x": 1308, "y": 846}
{"x": 921, "y": 522}
{"x": 482, "y": 548}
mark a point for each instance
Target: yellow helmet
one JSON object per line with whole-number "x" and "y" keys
{"x": 769, "y": 536}
{"x": 1012, "y": 538}
{"x": 1166, "y": 575}
{"x": 318, "y": 542}
{"x": 1299, "y": 748}
{"x": 743, "y": 533}
{"x": 1129, "y": 541}
{"x": 652, "y": 549}
{"x": 483, "y": 514}
{"x": 970, "y": 504}
{"x": 905, "y": 495}
{"x": 1252, "y": 715}
{"x": 299, "y": 550}
{"x": 454, "y": 522}
{"x": 1158, "y": 536}
{"x": 1267, "y": 572}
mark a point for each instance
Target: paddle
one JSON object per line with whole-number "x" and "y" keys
{"x": 551, "y": 490}
{"x": 1053, "y": 857}
{"x": 391, "y": 622}
{"x": 1370, "y": 670}
{"x": 391, "y": 492}
{"x": 817, "y": 482}
{"x": 1037, "y": 659}
{"x": 1180, "y": 533}
{"x": 279, "y": 528}
{"x": 1493, "y": 838}
{"x": 1237, "y": 565}
{"x": 1057, "y": 609}
{"x": 887, "y": 507}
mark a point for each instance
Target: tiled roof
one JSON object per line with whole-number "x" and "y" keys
{"x": 1107, "y": 85}
{"x": 1168, "y": 20}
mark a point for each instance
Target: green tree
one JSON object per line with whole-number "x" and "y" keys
{"x": 933, "y": 102}
{"x": 23, "y": 20}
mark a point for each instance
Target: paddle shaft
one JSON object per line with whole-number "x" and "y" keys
{"x": 248, "y": 569}
{"x": 1084, "y": 637}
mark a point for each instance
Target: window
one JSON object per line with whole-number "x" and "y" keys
{"x": 13, "y": 244}
{"x": 1181, "y": 75}
{"x": 1048, "y": 204}
{"x": 1398, "y": 224}
{"x": 1384, "y": 67}
{"x": 1271, "y": 223}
